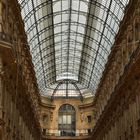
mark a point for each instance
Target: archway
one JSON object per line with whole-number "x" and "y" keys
{"x": 67, "y": 120}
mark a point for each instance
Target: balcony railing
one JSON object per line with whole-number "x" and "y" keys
{"x": 61, "y": 133}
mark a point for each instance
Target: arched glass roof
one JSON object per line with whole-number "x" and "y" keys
{"x": 67, "y": 89}
{"x": 71, "y": 39}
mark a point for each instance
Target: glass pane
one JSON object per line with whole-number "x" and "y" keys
{"x": 64, "y": 119}
{"x": 68, "y": 119}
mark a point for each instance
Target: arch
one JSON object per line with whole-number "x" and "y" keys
{"x": 67, "y": 120}
{"x": 67, "y": 94}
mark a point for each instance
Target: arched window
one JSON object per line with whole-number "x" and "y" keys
{"x": 67, "y": 120}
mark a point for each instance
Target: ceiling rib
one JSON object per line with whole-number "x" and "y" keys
{"x": 99, "y": 43}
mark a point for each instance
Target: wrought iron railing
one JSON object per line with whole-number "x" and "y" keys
{"x": 61, "y": 133}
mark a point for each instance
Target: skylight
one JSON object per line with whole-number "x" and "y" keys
{"x": 71, "y": 39}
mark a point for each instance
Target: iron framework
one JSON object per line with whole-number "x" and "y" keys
{"x": 71, "y": 39}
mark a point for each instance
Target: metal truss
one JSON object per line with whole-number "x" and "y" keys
{"x": 67, "y": 82}
{"x": 71, "y": 36}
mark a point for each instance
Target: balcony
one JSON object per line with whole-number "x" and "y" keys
{"x": 57, "y": 134}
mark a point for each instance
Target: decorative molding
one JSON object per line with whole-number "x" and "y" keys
{"x": 2, "y": 123}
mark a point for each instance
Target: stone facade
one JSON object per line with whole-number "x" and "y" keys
{"x": 19, "y": 96}
{"x": 50, "y": 111}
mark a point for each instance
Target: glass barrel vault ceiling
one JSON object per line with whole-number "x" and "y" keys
{"x": 71, "y": 39}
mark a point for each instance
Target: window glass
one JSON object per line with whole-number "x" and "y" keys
{"x": 67, "y": 120}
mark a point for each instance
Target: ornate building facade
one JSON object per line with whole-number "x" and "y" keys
{"x": 67, "y": 111}
{"x": 52, "y": 120}
{"x": 117, "y": 99}
{"x": 19, "y": 98}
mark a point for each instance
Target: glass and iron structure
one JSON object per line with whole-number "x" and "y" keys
{"x": 67, "y": 120}
{"x": 70, "y": 40}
